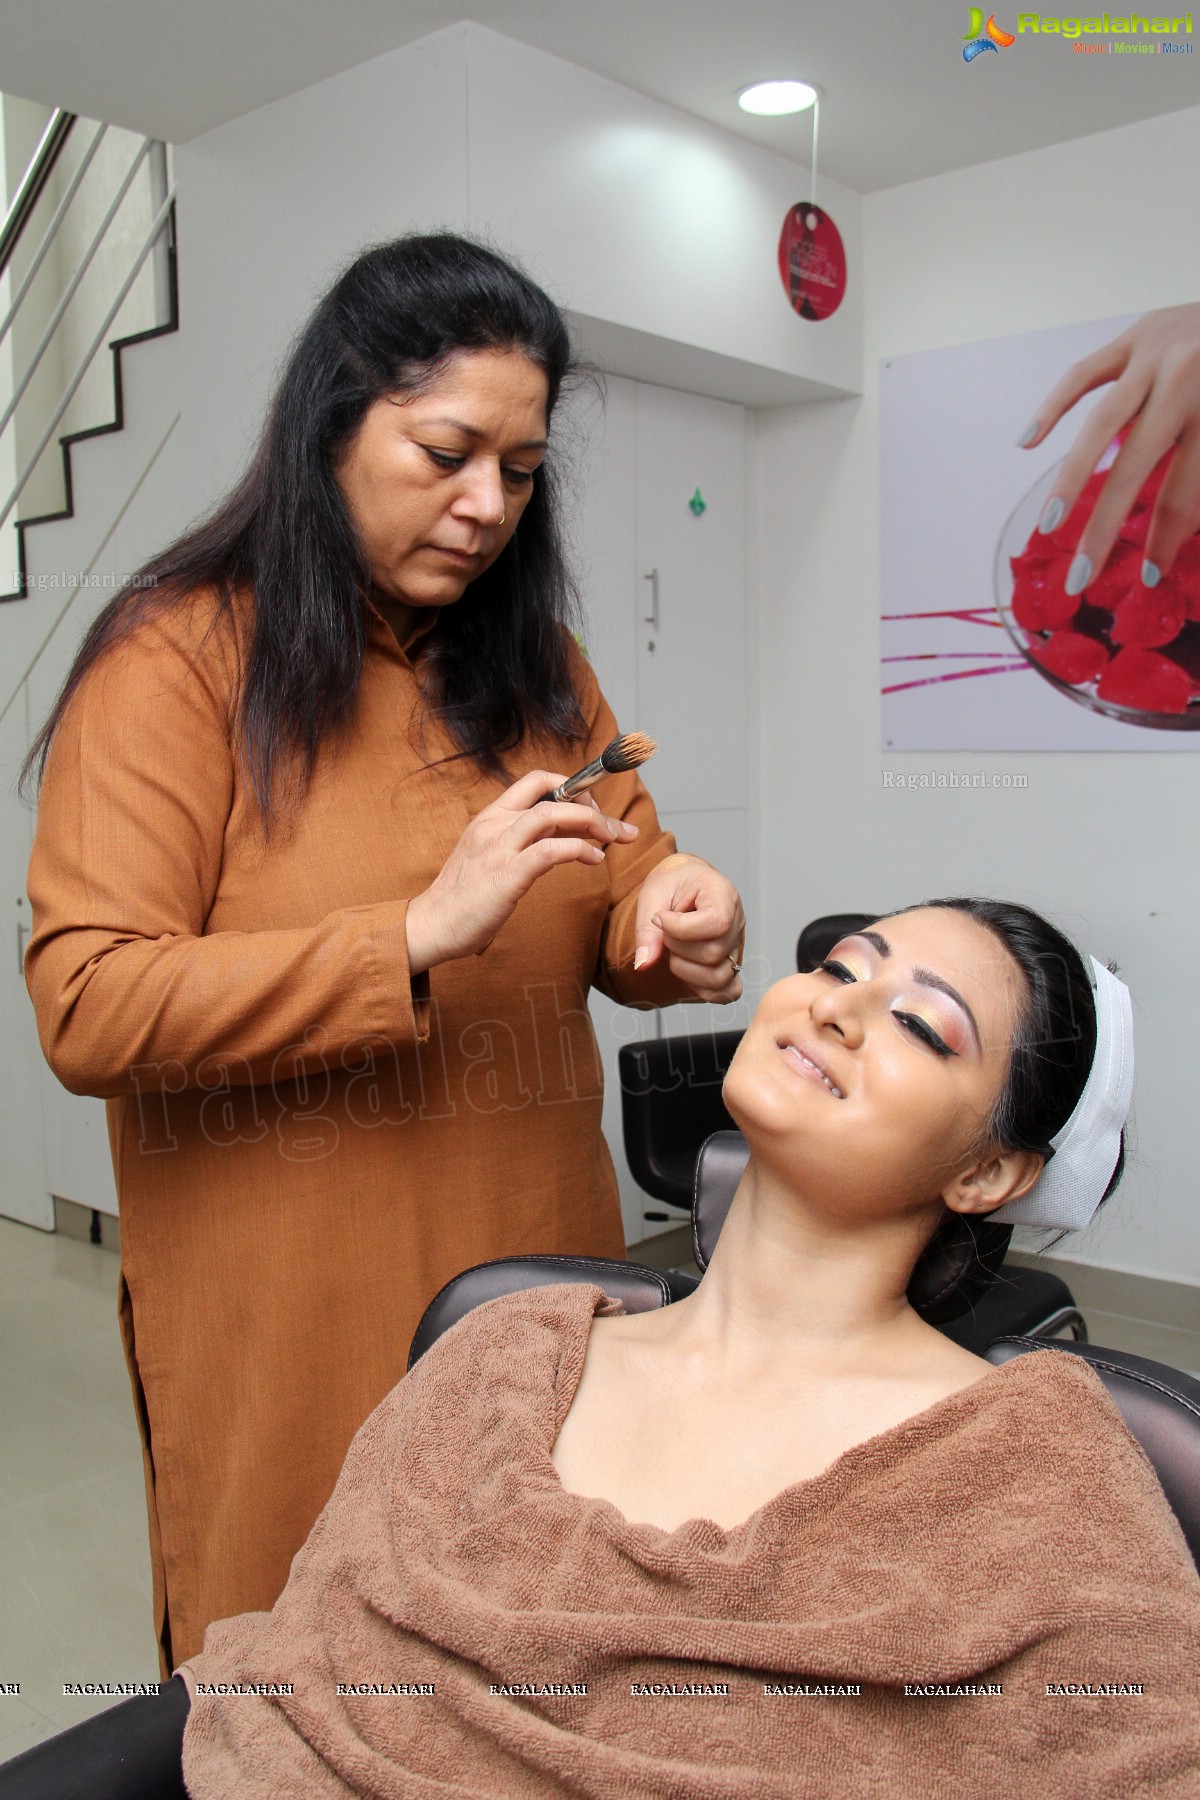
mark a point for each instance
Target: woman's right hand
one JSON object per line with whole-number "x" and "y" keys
{"x": 502, "y": 852}
{"x": 1154, "y": 369}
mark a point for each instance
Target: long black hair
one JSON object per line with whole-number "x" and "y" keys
{"x": 1049, "y": 1062}
{"x": 496, "y": 669}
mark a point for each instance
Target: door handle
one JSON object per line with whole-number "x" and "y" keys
{"x": 651, "y": 617}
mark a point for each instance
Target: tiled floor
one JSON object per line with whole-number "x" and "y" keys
{"x": 74, "y": 1561}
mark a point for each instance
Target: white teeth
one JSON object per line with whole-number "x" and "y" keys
{"x": 835, "y": 1091}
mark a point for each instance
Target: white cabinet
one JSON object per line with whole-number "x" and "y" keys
{"x": 658, "y": 526}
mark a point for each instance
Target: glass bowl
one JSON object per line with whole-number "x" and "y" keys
{"x": 1092, "y": 621}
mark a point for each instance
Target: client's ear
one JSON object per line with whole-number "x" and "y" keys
{"x": 997, "y": 1176}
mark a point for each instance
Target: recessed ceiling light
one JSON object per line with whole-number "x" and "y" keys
{"x": 772, "y": 98}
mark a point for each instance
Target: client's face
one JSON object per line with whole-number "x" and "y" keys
{"x": 870, "y": 1080}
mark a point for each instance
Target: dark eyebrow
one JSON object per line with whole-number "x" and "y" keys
{"x": 473, "y": 431}
{"x": 926, "y": 978}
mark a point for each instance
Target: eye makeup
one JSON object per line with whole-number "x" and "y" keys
{"x": 930, "y": 1011}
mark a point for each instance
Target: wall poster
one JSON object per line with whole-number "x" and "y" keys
{"x": 981, "y": 647}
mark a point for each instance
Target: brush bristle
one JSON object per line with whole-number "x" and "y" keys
{"x": 628, "y": 751}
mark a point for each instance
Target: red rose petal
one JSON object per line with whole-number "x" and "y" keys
{"x": 1149, "y": 617}
{"x": 1039, "y": 600}
{"x": 1071, "y": 656}
{"x": 1122, "y": 571}
{"x": 1145, "y": 680}
{"x": 1185, "y": 576}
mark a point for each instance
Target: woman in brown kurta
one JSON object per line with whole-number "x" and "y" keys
{"x": 321, "y": 1106}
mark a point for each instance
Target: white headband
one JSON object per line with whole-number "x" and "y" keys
{"x": 1072, "y": 1184}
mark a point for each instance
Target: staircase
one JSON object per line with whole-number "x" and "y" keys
{"x": 89, "y": 383}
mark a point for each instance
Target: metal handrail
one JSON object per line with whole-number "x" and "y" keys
{"x": 72, "y": 287}
{"x": 39, "y": 255}
{"x": 34, "y": 180}
{"x": 160, "y": 220}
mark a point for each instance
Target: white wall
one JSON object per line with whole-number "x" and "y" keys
{"x": 657, "y": 230}
{"x": 1105, "y": 843}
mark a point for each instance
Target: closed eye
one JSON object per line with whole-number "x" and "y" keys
{"x": 912, "y": 1022}
{"x": 443, "y": 458}
{"x": 920, "y": 1029}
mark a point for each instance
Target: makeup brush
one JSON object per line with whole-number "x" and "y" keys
{"x": 625, "y": 752}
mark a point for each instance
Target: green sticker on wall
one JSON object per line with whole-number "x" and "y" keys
{"x": 698, "y": 504}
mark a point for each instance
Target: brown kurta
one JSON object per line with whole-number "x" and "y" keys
{"x": 886, "y": 1630}
{"x": 304, "y": 1153}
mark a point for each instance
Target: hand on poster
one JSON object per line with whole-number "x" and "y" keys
{"x": 1154, "y": 368}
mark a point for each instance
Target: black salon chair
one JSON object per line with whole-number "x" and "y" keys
{"x": 1160, "y": 1405}
{"x": 818, "y": 938}
{"x": 133, "y": 1751}
{"x": 670, "y": 1103}
{"x": 1030, "y": 1302}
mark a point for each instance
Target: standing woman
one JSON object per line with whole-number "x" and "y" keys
{"x": 303, "y": 920}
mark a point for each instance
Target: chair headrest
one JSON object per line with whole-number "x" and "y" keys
{"x": 719, "y": 1167}
{"x": 820, "y": 935}
{"x": 959, "y": 1263}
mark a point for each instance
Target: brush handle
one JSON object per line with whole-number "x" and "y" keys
{"x": 579, "y": 783}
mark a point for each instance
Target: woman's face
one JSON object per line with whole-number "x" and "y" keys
{"x": 869, "y": 1081}
{"x": 436, "y": 482}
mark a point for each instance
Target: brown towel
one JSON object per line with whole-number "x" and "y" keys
{"x": 1013, "y": 1534}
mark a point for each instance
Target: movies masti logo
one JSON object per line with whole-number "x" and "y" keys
{"x": 982, "y": 36}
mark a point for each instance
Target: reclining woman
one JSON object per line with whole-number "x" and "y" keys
{"x": 782, "y": 1537}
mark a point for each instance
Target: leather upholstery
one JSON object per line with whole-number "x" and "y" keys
{"x": 132, "y": 1751}
{"x": 820, "y": 935}
{"x": 938, "y": 1290}
{"x": 670, "y": 1102}
{"x": 719, "y": 1167}
{"x": 1161, "y": 1407}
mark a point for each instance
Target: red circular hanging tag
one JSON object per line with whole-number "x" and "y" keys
{"x": 812, "y": 261}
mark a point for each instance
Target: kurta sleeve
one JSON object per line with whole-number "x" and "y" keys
{"x": 138, "y": 790}
{"x": 625, "y": 797}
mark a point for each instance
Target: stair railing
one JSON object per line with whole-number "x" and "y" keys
{"x": 19, "y": 214}
{"x": 41, "y": 167}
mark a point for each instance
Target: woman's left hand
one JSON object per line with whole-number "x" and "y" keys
{"x": 690, "y": 912}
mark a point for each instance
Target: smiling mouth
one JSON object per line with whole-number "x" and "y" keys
{"x": 804, "y": 1065}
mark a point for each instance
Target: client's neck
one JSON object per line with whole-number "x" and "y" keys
{"x": 786, "y": 1274}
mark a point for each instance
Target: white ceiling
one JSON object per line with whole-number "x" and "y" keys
{"x": 899, "y": 101}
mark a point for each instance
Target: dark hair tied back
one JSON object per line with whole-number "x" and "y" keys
{"x": 1049, "y": 1063}
{"x": 497, "y": 667}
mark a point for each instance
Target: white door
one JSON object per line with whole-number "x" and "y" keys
{"x": 639, "y": 460}
{"x": 691, "y": 670}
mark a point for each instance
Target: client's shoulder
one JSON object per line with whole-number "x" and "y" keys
{"x": 1069, "y": 1444}
{"x": 521, "y": 1321}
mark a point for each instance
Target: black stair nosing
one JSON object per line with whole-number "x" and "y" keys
{"x": 117, "y": 423}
